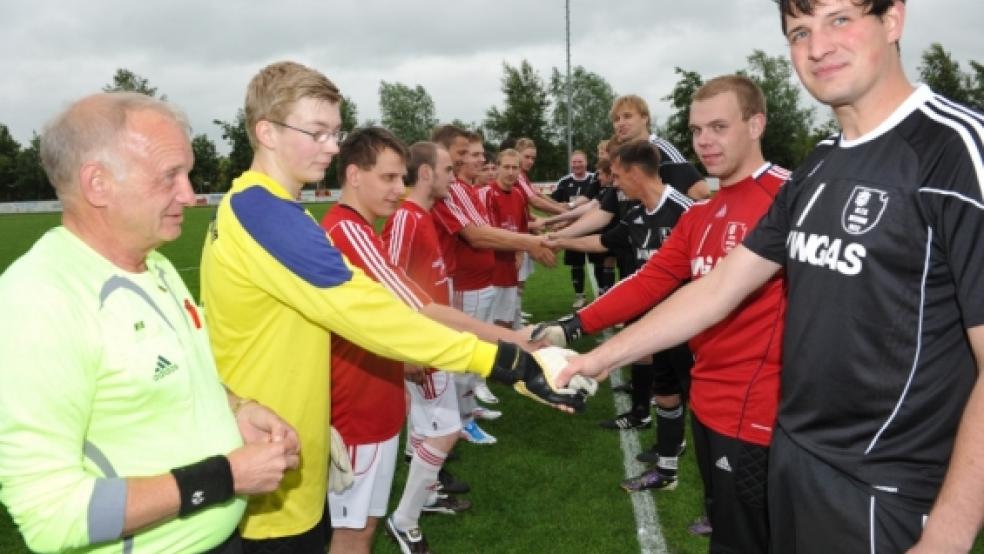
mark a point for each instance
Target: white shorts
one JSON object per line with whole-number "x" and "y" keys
{"x": 434, "y": 406}
{"x": 373, "y": 465}
{"x": 506, "y": 303}
{"x": 476, "y": 303}
{"x": 526, "y": 268}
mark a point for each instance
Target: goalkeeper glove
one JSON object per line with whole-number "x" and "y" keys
{"x": 560, "y": 332}
{"x": 533, "y": 376}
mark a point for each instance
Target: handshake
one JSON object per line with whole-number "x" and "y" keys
{"x": 534, "y": 375}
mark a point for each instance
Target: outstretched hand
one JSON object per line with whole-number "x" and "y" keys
{"x": 580, "y": 366}
{"x": 544, "y": 255}
{"x": 533, "y": 375}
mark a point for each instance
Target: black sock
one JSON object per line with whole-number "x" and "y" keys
{"x": 606, "y": 278}
{"x": 642, "y": 388}
{"x": 669, "y": 436}
{"x": 577, "y": 278}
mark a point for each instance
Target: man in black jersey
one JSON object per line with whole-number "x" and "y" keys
{"x": 572, "y": 190}
{"x": 635, "y": 167}
{"x": 879, "y": 232}
{"x": 603, "y": 192}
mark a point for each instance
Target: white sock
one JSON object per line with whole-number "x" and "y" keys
{"x": 413, "y": 441}
{"x": 427, "y": 461}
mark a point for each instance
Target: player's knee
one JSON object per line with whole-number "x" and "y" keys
{"x": 444, "y": 443}
{"x": 667, "y": 402}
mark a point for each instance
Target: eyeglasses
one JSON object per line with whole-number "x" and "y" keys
{"x": 320, "y": 137}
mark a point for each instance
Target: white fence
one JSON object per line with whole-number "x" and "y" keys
{"x": 325, "y": 195}
{"x": 49, "y": 206}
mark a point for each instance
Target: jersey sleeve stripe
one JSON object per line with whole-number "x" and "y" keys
{"x": 681, "y": 198}
{"x": 467, "y": 206}
{"x": 526, "y": 186}
{"x": 780, "y": 173}
{"x": 398, "y": 231}
{"x": 959, "y": 107}
{"x": 363, "y": 246}
{"x": 669, "y": 152}
{"x": 970, "y": 129}
{"x": 975, "y": 203}
{"x": 919, "y": 339}
{"x": 455, "y": 210}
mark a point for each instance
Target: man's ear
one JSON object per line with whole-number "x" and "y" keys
{"x": 425, "y": 173}
{"x": 756, "y": 125}
{"x": 265, "y": 134}
{"x": 894, "y": 21}
{"x": 352, "y": 175}
{"x": 96, "y": 183}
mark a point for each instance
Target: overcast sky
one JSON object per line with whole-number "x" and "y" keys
{"x": 202, "y": 54}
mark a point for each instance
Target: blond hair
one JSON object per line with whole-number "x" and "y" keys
{"x": 507, "y": 153}
{"x": 751, "y": 100}
{"x": 272, "y": 93}
{"x": 633, "y": 101}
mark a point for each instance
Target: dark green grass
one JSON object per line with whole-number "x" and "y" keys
{"x": 549, "y": 485}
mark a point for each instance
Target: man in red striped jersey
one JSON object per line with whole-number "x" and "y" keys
{"x": 434, "y": 421}
{"x": 468, "y": 243}
{"x": 507, "y": 210}
{"x": 367, "y": 396}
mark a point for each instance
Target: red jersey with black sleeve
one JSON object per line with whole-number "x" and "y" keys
{"x": 367, "y": 396}
{"x": 469, "y": 268}
{"x": 507, "y": 210}
{"x": 735, "y": 378}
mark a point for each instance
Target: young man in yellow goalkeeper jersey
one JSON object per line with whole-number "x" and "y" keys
{"x": 273, "y": 287}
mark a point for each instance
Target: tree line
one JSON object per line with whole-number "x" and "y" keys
{"x": 533, "y": 106}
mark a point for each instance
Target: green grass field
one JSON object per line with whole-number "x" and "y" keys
{"x": 549, "y": 485}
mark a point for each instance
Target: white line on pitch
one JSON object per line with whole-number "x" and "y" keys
{"x": 651, "y": 540}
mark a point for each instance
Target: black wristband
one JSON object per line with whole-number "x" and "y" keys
{"x": 203, "y": 484}
{"x": 571, "y": 324}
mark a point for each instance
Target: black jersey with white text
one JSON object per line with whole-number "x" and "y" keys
{"x": 643, "y": 232}
{"x": 569, "y": 187}
{"x": 882, "y": 240}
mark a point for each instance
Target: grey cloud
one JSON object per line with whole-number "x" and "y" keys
{"x": 202, "y": 54}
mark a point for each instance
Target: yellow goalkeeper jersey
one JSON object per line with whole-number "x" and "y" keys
{"x": 273, "y": 287}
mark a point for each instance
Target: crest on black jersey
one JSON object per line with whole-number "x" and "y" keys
{"x": 863, "y": 210}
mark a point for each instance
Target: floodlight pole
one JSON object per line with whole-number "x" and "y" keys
{"x": 570, "y": 85}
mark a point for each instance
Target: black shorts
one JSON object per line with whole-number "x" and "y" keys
{"x": 627, "y": 264}
{"x": 315, "y": 539}
{"x": 671, "y": 371}
{"x": 597, "y": 258}
{"x": 734, "y": 474}
{"x": 814, "y": 507}
{"x": 574, "y": 257}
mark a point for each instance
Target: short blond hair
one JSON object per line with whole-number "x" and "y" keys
{"x": 633, "y": 101}
{"x": 525, "y": 144}
{"x": 272, "y": 93}
{"x": 751, "y": 99}
{"x": 507, "y": 153}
